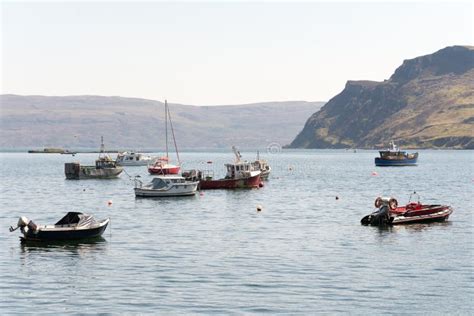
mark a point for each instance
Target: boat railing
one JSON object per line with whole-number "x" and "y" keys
{"x": 138, "y": 183}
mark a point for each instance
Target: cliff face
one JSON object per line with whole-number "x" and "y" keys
{"x": 427, "y": 103}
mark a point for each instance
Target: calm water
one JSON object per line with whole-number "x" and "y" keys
{"x": 305, "y": 253}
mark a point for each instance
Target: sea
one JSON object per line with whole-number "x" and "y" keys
{"x": 304, "y": 253}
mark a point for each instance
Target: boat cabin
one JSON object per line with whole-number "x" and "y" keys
{"x": 104, "y": 163}
{"x": 239, "y": 170}
{"x": 163, "y": 182}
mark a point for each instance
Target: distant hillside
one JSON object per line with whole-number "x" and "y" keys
{"x": 79, "y": 121}
{"x": 427, "y": 103}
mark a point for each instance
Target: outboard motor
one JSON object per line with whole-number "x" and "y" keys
{"x": 380, "y": 217}
{"x": 25, "y": 225}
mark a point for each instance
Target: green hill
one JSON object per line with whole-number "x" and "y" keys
{"x": 79, "y": 121}
{"x": 427, "y": 103}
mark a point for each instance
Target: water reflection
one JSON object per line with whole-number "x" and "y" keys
{"x": 79, "y": 248}
{"x": 411, "y": 228}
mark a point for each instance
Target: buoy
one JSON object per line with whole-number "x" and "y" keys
{"x": 201, "y": 193}
{"x": 209, "y": 161}
{"x": 109, "y": 202}
{"x": 259, "y": 208}
{"x": 337, "y": 198}
{"x": 260, "y": 185}
{"x": 374, "y": 173}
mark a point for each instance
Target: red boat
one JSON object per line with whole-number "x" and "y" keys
{"x": 389, "y": 213}
{"x": 252, "y": 181}
{"x": 240, "y": 175}
{"x": 162, "y": 167}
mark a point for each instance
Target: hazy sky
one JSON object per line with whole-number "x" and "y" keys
{"x": 217, "y": 52}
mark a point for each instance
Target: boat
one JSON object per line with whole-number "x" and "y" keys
{"x": 389, "y": 213}
{"x": 165, "y": 186}
{"x": 73, "y": 226}
{"x": 133, "y": 159}
{"x": 104, "y": 168}
{"x": 240, "y": 175}
{"x": 395, "y": 157}
{"x": 263, "y": 166}
{"x": 162, "y": 166}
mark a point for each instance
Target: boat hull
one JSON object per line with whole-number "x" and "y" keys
{"x": 245, "y": 183}
{"x": 164, "y": 170}
{"x": 188, "y": 190}
{"x": 139, "y": 163}
{"x": 65, "y": 234}
{"x": 75, "y": 171}
{"x": 380, "y": 162}
{"x": 430, "y": 213}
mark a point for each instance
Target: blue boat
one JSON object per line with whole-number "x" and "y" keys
{"x": 395, "y": 157}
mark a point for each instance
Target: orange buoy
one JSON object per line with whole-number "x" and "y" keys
{"x": 374, "y": 173}
{"x": 109, "y": 202}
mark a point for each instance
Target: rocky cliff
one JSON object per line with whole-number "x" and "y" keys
{"x": 427, "y": 103}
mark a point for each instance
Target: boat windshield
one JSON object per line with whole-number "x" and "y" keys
{"x": 157, "y": 183}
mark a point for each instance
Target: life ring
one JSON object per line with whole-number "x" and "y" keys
{"x": 393, "y": 203}
{"x": 378, "y": 202}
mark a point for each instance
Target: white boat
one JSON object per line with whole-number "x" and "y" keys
{"x": 163, "y": 186}
{"x": 133, "y": 159}
{"x": 263, "y": 166}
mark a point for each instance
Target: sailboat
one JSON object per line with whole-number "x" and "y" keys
{"x": 162, "y": 165}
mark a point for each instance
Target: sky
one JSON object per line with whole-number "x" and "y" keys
{"x": 216, "y": 53}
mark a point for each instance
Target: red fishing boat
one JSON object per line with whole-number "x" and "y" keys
{"x": 389, "y": 213}
{"x": 240, "y": 175}
{"x": 162, "y": 166}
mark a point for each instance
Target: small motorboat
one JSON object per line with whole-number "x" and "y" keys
{"x": 72, "y": 226}
{"x": 131, "y": 159}
{"x": 394, "y": 157}
{"x": 165, "y": 186}
{"x": 389, "y": 213}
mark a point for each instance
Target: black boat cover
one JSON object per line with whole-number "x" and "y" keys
{"x": 76, "y": 218}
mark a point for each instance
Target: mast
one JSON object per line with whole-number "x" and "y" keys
{"x": 166, "y": 126}
{"x": 102, "y": 146}
{"x": 237, "y": 154}
{"x": 174, "y": 138}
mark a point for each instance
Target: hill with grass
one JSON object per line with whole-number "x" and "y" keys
{"x": 427, "y": 103}
{"x": 132, "y": 123}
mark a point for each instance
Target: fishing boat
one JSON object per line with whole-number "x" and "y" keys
{"x": 240, "y": 175}
{"x": 263, "y": 166}
{"x": 165, "y": 186}
{"x": 162, "y": 166}
{"x": 133, "y": 159}
{"x": 104, "y": 168}
{"x": 395, "y": 157}
{"x": 389, "y": 213}
{"x": 73, "y": 226}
